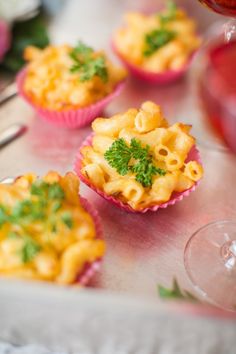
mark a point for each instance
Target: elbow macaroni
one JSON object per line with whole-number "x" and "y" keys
{"x": 169, "y": 147}
{"x": 130, "y": 41}
{"x": 52, "y": 241}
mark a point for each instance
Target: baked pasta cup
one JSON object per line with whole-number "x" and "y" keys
{"x": 47, "y": 232}
{"x": 68, "y": 86}
{"x": 157, "y": 48}
{"x": 138, "y": 162}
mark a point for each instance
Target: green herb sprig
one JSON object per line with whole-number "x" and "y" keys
{"x": 159, "y": 37}
{"x": 29, "y": 250}
{"x": 175, "y": 293}
{"x": 86, "y": 64}
{"x": 120, "y": 154}
{"x": 46, "y": 190}
{"x": 156, "y": 39}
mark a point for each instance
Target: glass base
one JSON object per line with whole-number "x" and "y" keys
{"x": 210, "y": 261}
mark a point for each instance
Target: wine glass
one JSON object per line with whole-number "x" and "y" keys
{"x": 210, "y": 261}
{"x": 210, "y": 254}
{"x": 214, "y": 69}
{"x": 217, "y": 89}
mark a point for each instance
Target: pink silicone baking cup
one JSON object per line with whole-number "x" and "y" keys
{"x": 73, "y": 118}
{"x": 91, "y": 268}
{"x": 176, "y": 197}
{"x": 150, "y": 77}
{"x": 5, "y": 38}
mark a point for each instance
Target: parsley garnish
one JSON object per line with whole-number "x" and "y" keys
{"x": 43, "y": 205}
{"x": 170, "y": 13}
{"x": 47, "y": 190}
{"x": 120, "y": 154}
{"x": 175, "y": 293}
{"x": 67, "y": 219}
{"x": 81, "y": 50}
{"x": 156, "y": 39}
{"x": 55, "y": 192}
{"x": 33, "y": 209}
{"x": 39, "y": 188}
{"x": 29, "y": 250}
{"x": 87, "y": 64}
{"x": 27, "y": 211}
{"x": 56, "y": 206}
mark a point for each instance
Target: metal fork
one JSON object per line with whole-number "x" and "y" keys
{"x": 11, "y": 133}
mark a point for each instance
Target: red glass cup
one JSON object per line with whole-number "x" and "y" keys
{"x": 217, "y": 89}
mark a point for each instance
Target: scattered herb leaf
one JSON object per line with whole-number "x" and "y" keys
{"x": 175, "y": 293}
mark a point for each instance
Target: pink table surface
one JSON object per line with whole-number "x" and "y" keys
{"x": 142, "y": 250}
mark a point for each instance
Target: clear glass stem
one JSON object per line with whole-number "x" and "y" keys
{"x": 230, "y": 30}
{"x": 228, "y": 254}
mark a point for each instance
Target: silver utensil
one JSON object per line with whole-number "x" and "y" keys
{"x": 11, "y": 133}
{"x": 8, "y": 92}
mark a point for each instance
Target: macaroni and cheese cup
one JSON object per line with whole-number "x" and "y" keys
{"x": 89, "y": 268}
{"x": 73, "y": 118}
{"x": 176, "y": 197}
{"x": 150, "y": 77}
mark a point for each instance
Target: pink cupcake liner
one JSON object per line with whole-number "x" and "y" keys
{"x": 5, "y": 38}
{"x": 73, "y": 118}
{"x": 91, "y": 268}
{"x": 176, "y": 197}
{"x": 149, "y": 76}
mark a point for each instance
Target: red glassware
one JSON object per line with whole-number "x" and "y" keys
{"x": 218, "y": 91}
{"x": 210, "y": 254}
{"x": 224, "y": 7}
